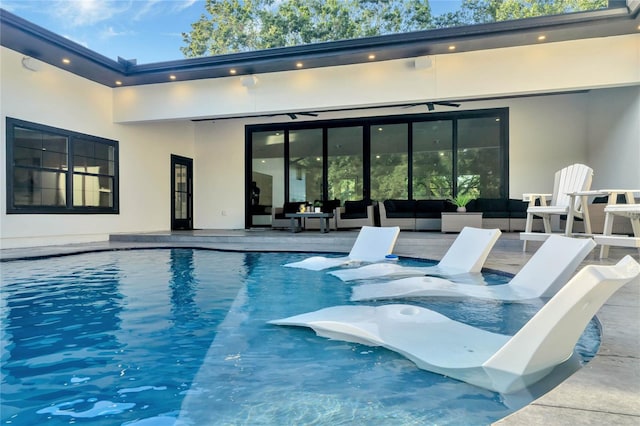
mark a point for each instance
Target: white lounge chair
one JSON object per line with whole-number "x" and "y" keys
{"x": 493, "y": 361}
{"x": 542, "y": 276}
{"x": 466, "y": 255}
{"x": 574, "y": 178}
{"x": 372, "y": 245}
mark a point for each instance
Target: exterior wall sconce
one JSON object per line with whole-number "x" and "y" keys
{"x": 249, "y": 81}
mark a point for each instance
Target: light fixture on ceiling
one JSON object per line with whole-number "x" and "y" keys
{"x": 30, "y": 64}
{"x": 66, "y": 61}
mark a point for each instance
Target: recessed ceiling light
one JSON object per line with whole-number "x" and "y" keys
{"x": 66, "y": 60}
{"x": 118, "y": 83}
{"x": 377, "y": 156}
{"x": 542, "y": 37}
{"x": 232, "y": 71}
{"x": 379, "y": 129}
{"x": 372, "y": 57}
{"x": 299, "y": 64}
{"x": 172, "y": 77}
{"x": 452, "y": 47}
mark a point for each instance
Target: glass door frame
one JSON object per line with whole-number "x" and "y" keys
{"x": 182, "y": 223}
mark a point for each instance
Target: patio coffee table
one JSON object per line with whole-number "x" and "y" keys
{"x": 296, "y": 220}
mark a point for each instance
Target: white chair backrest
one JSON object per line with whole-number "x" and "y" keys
{"x": 552, "y": 265}
{"x": 573, "y": 178}
{"x": 374, "y": 243}
{"x": 470, "y": 249}
{"x": 548, "y": 338}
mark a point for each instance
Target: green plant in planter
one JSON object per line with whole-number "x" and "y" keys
{"x": 461, "y": 200}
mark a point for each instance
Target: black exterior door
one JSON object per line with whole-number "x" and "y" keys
{"x": 181, "y": 192}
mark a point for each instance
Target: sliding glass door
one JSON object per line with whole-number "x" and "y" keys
{"x": 423, "y": 156}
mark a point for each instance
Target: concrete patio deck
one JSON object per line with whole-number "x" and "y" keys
{"x": 605, "y": 391}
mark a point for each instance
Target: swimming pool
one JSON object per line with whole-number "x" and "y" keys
{"x": 179, "y": 336}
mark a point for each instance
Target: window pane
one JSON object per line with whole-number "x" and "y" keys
{"x": 267, "y": 152}
{"x": 389, "y": 161}
{"x": 479, "y": 156}
{"x": 93, "y": 157}
{"x": 345, "y": 158}
{"x": 38, "y": 188}
{"x": 92, "y": 191}
{"x": 433, "y": 159}
{"x": 40, "y": 164}
{"x": 305, "y": 165}
{"x": 27, "y": 157}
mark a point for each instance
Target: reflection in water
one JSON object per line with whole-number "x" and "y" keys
{"x": 168, "y": 336}
{"x": 183, "y": 286}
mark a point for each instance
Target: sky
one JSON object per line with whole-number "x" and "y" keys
{"x": 146, "y": 30}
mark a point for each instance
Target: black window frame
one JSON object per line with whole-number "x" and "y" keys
{"x": 68, "y": 208}
{"x": 366, "y": 122}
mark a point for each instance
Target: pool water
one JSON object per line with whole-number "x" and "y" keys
{"x": 179, "y": 337}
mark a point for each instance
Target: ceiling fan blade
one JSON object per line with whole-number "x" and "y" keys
{"x": 449, "y": 104}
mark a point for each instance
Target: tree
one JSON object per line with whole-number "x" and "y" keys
{"x": 245, "y": 25}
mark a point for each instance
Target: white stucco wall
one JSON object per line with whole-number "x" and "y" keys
{"x": 613, "y": 137}
{"x": 599, "y": 127}
{"x": 538, "y": 68}
{"x": 60, "y": 99}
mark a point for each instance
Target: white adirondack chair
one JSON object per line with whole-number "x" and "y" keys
{"x": 571, "y": 179}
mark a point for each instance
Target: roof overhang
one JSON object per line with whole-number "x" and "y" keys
{"x": 34, "y": 41}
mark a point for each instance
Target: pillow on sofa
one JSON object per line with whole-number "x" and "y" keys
{"x": 518, "y": 209}
{"x": 400, "y": 208}
{"x": 431, "y": 209}
{"x": 354, "y": 210}
{"x": 492, "y": 207}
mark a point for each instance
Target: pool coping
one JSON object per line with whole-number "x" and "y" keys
{"x": 606, "y": 390}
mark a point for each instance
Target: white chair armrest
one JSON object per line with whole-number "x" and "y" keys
{"x": 532, "y": 197}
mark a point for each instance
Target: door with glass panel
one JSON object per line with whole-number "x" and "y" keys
{"x": 305, "y": 165}
{"x": 389, "y": 161}
{"x": 181, "y": 192}
{"x": 345, "y": 165}
{"x": 432, "y": 160}
{"x": 267, "y": 186}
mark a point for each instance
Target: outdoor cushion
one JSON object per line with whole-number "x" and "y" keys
{"x": 400, "y": 208}
{"x": 429, "y": 208}
{"x": 354, "y": 210}
{"x": 491, "y": 207}
{"x": 517, "y": 209}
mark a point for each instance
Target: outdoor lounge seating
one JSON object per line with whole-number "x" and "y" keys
{"x": 355, "y": 214}
{"x": 371, "y": 245}
{"x": 573, "y": 178}
{"x": 543, "y": 275}
{"x": 466, "y": 254}
{"x": 425, "y": 215}
{"x": 497, "y": 362}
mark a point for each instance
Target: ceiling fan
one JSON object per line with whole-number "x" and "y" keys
{"x": 432, "y": 105}
{"x": 294, "y": 115}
